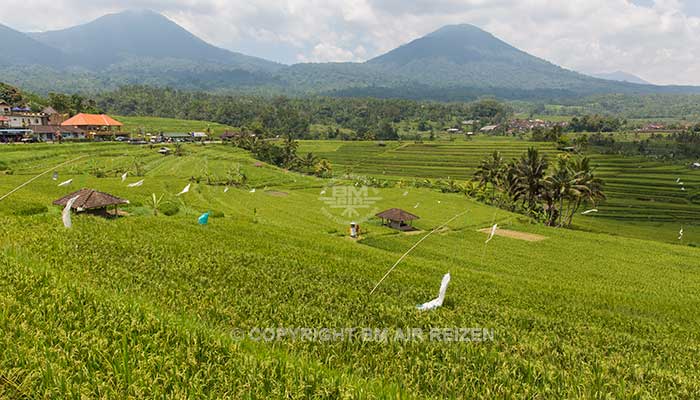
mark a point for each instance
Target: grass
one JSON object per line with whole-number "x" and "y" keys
{"x": 644, "y": 200}
{"x": 154, "y": 124}
{"x": 149, "y": 306}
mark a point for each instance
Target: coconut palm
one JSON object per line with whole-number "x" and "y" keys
{"x": 557, "y": 187}
{"x": 508, "y": 181}
{"x": 489, "y": 172}
{"x": 308, "y": 161}
{"x": 531, "y": 170}
{"x": 585, "y": 187}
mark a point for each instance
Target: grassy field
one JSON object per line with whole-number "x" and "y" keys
{"x": 153, "y": 124}
{"x": 158, "y": 306}
{"x": 644, "y": 199}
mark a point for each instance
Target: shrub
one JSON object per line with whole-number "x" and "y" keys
{"x": 169, "y": 208}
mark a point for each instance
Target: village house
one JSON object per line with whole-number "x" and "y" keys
{"x": 489, "y": 128}
{"x": 5, "y": 108}
{"x": 93, "y": 123}
{"x": 20, "y": 117}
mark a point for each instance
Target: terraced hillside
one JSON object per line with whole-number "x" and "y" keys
{"x": 642, "y": 193}
{"x": 158, "y": 306}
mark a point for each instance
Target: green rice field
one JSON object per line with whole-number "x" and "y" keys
{"x": 644, "y": 198}
{"x": 158, "y": 306}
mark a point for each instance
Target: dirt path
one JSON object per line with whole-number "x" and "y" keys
{"x": 528, "y": 237}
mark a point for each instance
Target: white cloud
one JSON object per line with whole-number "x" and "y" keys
{"x": 655, "y": 39}
{"x": 327, "y": 52}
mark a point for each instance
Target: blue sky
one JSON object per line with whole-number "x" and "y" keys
{"x": 658, "y": 40}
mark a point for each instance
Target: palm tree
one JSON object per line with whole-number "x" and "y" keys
{"x": 585, "y": 188}
{"x": 531, "y": 169}
{"x": 308, "y": 161}
{"x": 557, "y": 188}
{"x": 509, "y": 183}
{"x": 489, "y": 172}
{"x": 289, "y": 150}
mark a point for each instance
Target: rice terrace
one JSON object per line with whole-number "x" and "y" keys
{"x": 454, "y": 218}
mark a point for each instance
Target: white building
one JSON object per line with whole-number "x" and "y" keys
{"x": 16, "y": 117}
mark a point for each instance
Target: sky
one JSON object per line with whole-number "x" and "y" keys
{"x": 657, "y": 40}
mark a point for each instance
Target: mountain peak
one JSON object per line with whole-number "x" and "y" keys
{"x": 456, "y": 44}
{"x": 459, "y": 30}
{"x": 135, "y": 35}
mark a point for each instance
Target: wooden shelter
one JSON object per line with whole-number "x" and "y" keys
{"x": 398, "y": 219}
{"x": 92, "y": 201}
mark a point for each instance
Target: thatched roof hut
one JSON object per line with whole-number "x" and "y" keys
{"x": 397, "y": 218}
{"x": 91, "y": 200}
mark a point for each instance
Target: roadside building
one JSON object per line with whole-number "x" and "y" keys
{"x": 199, "y": 136}
{"x": 20, "y": 117}
{"x": 11, "y": 135}
{"x": 53, "y": 116}
{"x": 53, "y": 132}
{"x": 93, "y": 123}
{"x": 175, "y": 137}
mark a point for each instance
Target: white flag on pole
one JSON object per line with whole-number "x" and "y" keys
{"x": 493, "y": 232}
{"x": 65, "y": 215}
{"x": 435, "y": 303}
{"x": 185, "y": 190}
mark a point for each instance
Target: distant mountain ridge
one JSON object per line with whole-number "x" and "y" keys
{"x": 620, "y": 76}
{"x": 20, "y": 49}
{"x": 456, "y": 62}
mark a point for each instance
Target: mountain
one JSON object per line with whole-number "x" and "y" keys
{"x": 464, "y": 55}
{"x": 131, "y": 37}
{"x": 454, "y": 63}
{"x": 620, "y": 76}
{"x": 20, "y": 49}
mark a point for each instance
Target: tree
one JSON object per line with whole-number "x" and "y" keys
{"x": 11, "y": 95}
{"x": 586, "y": 188}
{"x": 386, "y": 131}
{"x": 489, "y": 172}
{"x": 323, "y": 169}
{"x": 289, "y": 151}
{"x": 557, "y": 187}
{"x": 531, "y": 170}
{"x": 308, "y": 161}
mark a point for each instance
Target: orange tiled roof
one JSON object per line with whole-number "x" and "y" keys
{"x": 91, "y": 120}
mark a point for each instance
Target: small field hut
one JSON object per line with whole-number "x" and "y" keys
{"x": 93, "y": 202}
{"x": 397, "y": 218}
